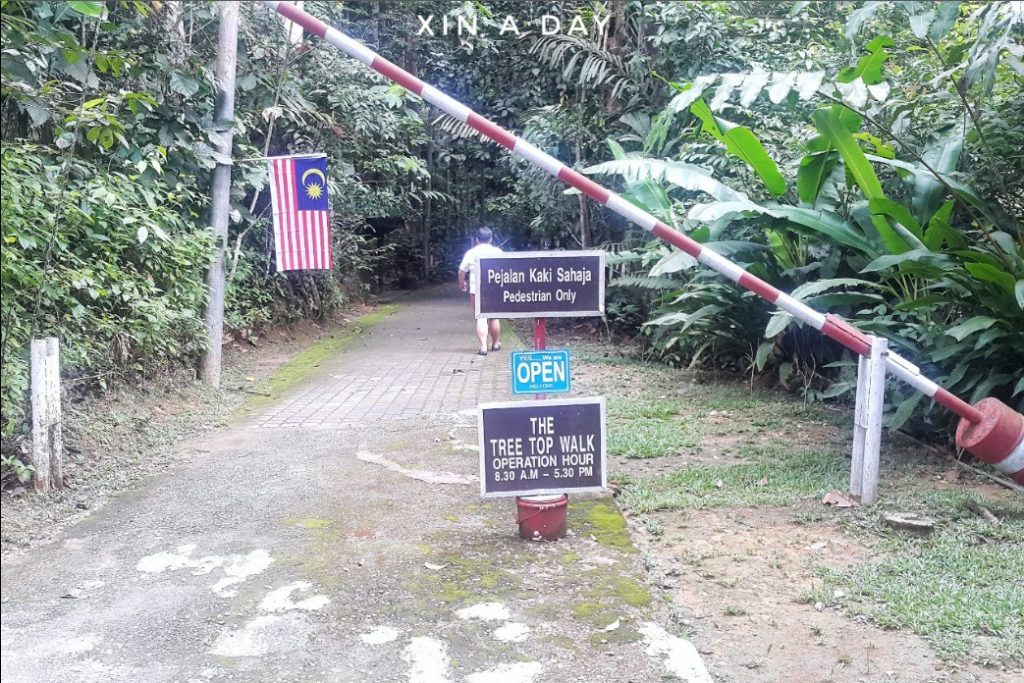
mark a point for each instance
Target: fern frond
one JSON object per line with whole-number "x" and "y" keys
{"x": 645, "y": 282}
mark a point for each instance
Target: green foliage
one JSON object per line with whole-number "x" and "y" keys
{"x": 739, "y": 140}
{"x": 893, "y": 178}
{"x": 17, "y": 469}
{"x": 121, "y": 283}
{"x": 107, "y": 124}
{"x": 902, "y": 245}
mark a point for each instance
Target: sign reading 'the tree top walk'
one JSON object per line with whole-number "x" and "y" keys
{"x": 541, "y": 284}
{"x": 541, "y": 447}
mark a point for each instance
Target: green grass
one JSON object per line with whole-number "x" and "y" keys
{"x": 953, "y": 587}
{"x": 642, "y": 408}
{"x": 778, "y": 476}
{"x": 648, "y": 428}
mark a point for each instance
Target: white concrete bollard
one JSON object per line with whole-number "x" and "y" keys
{"x": 47, "y": 440}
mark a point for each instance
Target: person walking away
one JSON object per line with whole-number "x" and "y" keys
{"x": 481, "y": 247}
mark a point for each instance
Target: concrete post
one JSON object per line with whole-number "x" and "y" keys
{"x": 47, "y": 438}
{"x": 867, "y": 422}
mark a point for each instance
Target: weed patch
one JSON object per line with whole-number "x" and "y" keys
{"x": 642, "y": 428}
{"x": 955, "y": 587}
{"x": 605, "y": 523}
{"x": 773, "y": 476}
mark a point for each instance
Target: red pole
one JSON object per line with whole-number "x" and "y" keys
{"x": 540, "y": 342}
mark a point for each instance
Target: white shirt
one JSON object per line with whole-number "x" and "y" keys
{"x": 472, "y": 259}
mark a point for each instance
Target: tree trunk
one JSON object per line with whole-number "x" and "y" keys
{"x": 375, "y": 31}
{"x": 586, "y": 237}
{"x": 615, "y": 43}
{"x": 428, "y": 202}
{"x": 175, "y": 20}
{"x": 223, "y": 117}
{"x": 586, "y": 230}
{"x": 174, "y": 23}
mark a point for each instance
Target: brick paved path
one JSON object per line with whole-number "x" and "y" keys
{"x": 418, "y": 361}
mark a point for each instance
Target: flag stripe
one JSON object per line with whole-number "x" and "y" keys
{"x": 275, "y": 202}
{"x": 314, "y": 231}
{"x": 286, "y": 213}
{"x": 281, "y": 216}
{"x": 286, "y": 245}
{"x": 286, "y": 205}
{"x": 307, "y": 251}
{"x": 293, "y": 218}
{"x": 330, "y": 244}
{"x": 293, "y": 211}
{"x": 303, "y": 229}
{"x": 314, "y": 240}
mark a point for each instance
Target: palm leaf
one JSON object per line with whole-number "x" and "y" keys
{"x": 685, "y": 176}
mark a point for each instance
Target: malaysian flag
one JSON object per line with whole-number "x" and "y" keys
{"x": 302, "y": 218}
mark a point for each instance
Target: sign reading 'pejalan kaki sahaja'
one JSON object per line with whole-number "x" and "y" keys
{"x": 539, "y": 447}
{"x": 541, "y": 284}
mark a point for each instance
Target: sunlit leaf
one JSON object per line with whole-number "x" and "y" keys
{"x": 741, "y": 141}
{"x": 87, "y": 8}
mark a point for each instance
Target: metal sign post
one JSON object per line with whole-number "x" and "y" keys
{"x": 867, "y": 422}
{"x": 540, "y": 340}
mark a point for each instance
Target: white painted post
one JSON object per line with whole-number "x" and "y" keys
{"x": 40, "y": 415}
{"x": 56, "y": 435}
{"x": 47, "y": 439}
{"x": 867, "y": 422}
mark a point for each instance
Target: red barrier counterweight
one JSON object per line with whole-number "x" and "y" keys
{"x": 1001, "y": 434}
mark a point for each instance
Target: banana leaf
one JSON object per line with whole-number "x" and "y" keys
{"x": 831, "y": 126}
{"x": 741, "y": 142}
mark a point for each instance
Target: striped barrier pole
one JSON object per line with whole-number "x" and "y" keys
{"x": 993, "y": 430}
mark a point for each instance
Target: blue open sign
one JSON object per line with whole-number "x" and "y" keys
{"x": 540, "y": 372}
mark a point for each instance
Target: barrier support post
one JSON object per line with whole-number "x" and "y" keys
{"x": 867, "y": 422}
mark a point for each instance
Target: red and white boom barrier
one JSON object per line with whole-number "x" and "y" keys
{"x": 990, "y": 430}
